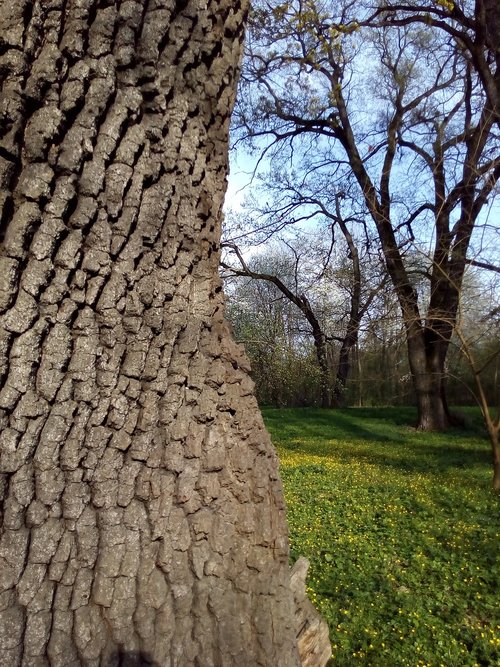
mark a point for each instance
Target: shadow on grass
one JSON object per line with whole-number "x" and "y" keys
{"x": 381, "y": 436}
{"x": 368, "y": 423}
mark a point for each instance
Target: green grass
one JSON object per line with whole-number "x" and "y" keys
{"x": 401, "y": 530}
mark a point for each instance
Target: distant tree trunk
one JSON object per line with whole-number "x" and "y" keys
{"x": 496, "y": 462}
{"x": 428, "y": 342}
{"x": 143, "y": 517}
{"x": 344, "y": 363}
{"x": 428, "y": 381}
{"x": 359, "y": 375}
{"x": 322, "y": 356}
{"x": 350, "y": 339}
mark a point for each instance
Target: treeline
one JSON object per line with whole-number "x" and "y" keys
{"x": 280, "y": 341}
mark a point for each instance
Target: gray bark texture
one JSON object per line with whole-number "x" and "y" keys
{"x": 142, "y": 514}
{"x": 313, "y": 636}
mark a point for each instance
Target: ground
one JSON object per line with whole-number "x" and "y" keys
{"x": 401, "y": 529}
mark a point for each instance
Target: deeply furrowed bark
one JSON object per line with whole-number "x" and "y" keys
{"x": 143, "y": 518}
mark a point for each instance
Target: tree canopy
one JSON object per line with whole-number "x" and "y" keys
{"x": 394, "y": 105}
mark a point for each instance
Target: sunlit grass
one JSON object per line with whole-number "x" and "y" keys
{"x": 401, "y": 529}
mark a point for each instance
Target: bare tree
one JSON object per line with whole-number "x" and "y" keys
{"x": 142, "y": 514}
{"x": 473, "y": 25}
{"x": 275, "y": 334}
{"x": 346, "y": 320}
{"x": 423, "y": 152}
{"x": 303, "y": 304}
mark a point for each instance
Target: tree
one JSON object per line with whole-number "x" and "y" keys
{"x": 304, "y": 305}
{"x": 425, "y": 156}
{"x": 279, "y": 343}
{"x": 382, "y": 366}
{"x": 316, "y": 276}
{"x": 143, "y": 517}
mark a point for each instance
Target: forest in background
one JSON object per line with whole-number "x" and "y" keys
{"x": 280, "y": 343}
{"x": 360, "y": 251}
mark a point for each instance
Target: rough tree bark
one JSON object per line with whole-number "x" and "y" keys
{"x": 143, "y": 518}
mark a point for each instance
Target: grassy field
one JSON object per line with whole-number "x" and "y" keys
{"x": 401, "y": 529}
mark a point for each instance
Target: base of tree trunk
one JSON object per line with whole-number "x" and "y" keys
{"x": 426, "y": 424}
{"x": 312, "y": 631}
{"x": 433, "y": 414}
{"x": 429, "y": 425}
{"x": 441, "y": 423}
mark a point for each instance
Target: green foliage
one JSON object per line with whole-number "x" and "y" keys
{"x": 400, "y": 528}
{"x": 284, "y": 376}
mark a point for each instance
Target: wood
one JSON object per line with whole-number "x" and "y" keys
{"x": 312, "y": 631}
{"x": 143, "y": 520}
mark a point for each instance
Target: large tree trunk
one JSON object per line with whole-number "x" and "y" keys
{"x": 350, "y": 339}
{"x": 427, "y": 364}
{"x": 143, "y": 517}
{"x": 322, "y": 356}
{"x": 344, "y": 364}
